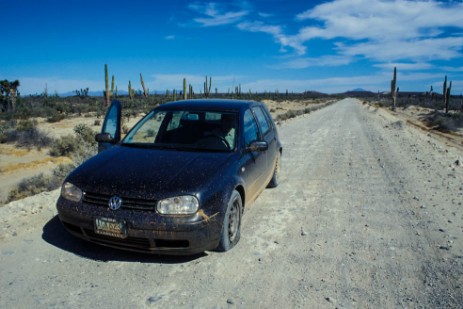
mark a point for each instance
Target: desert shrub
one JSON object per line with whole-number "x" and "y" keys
{"x": 3, "y": 133}
{"x": 62, "y": 171}
{"x": 32, "y": 186}
{"x": 445, "y": 122}
{"x": 97, "y": 122}
{"x": 25, "y": 134}
{"x": 40, "y": 183}
{"x": 55, "y": 116}
{"x": 65, "y": 146}
{"x": 78, "y": 147}
{"x": 84, "y": 132}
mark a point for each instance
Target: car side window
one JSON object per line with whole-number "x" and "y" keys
{"x": 251, "y": 131}
{"x": 263, "y": 122}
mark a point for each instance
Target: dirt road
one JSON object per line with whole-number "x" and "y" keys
{"x": 368, "y": 215}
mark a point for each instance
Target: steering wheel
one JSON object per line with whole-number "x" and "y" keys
{"x": 222, "y": 139}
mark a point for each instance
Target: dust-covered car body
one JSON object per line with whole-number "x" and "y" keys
{"x": 174, "y": 185}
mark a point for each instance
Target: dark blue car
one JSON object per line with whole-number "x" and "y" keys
{"x": 179, "y": 181}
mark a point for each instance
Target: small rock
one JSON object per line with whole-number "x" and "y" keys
{"x": 303, "y": 233}
{"x": 442, "y": 230}
{"x": 153, "y": 299}
{"x": 230, "y": 301}
{"x": 330, "y": 299}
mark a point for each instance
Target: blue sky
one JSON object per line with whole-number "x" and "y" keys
{"x": 264, "y": 45}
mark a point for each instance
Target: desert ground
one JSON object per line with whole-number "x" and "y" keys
{"x": 368, "y": 215}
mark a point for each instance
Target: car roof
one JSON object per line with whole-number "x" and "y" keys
{"x": 209, "y": 104}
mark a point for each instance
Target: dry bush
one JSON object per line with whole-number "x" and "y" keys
{"x": 24, "y": 134}
{"x": 40, "y": 183}
{"x": 445, "y": 122}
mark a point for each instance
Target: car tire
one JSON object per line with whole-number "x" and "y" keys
{"x": 230, "y": 234}
{"x": 276, "y": 173}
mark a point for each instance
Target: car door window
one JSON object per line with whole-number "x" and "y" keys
{"x": 147, "y": 132}
{"x": 251, "y": 131}
{"x": 263, "y": 122}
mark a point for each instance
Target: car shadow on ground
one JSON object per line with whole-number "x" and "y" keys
{"x": 55, "y": 234}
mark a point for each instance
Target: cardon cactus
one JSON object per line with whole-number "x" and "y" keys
{"x": 184, "y": 89}
{"x": 447, "y": 97}
{"x": 145, "y": 93}
{"x": 130, "y": 90}
{"x": 394, "y": 90}
{"x": 207, "y": 87}
{"x": 106, "y": 93}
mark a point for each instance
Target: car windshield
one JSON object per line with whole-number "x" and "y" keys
{"x": 185, "y": 130}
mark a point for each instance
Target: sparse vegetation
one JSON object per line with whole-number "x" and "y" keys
{"x": 17, "y": 124}
{"x": 40, "y": 183}
{"x": 294, "y": 113}
{"x": 24, "y": 134}
{"x": 79, "y": 147}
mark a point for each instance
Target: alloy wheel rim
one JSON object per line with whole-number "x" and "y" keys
{"x": 233, "y": 222}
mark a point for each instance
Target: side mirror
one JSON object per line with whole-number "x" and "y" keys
{"x": 104, "y": 138}
{"x": 257, "y": 146}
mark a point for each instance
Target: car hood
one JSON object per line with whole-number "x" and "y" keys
{"x": 149, "y": 173}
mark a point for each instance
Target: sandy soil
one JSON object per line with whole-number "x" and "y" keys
{"x": 368, "y": 215}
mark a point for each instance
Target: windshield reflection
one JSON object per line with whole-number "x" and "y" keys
{"x": 185, "y": 130}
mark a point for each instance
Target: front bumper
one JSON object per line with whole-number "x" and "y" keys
{"x": 147, "y": 231}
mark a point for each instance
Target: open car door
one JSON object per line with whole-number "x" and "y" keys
{"x": 111, "y": 130}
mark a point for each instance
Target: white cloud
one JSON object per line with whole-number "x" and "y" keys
{"x": 414, "y": 50}
{"x": 322, "y": 61}
{"x": 387, "y": 30}
{"x": 265, "y": 15}
{"x": 404, "y": 66}
{"x": 215, "y": 14}
{"x": 169, "y": 37}
{"x": 274, "y": 30}
{"x": 380, "y": 19}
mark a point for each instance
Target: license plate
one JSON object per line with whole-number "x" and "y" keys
{"x": 111, "y": 227}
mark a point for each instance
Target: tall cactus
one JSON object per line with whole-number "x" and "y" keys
{"x": 106, "y": 79}
{"x": 444, "y": 90}
{"x": 145, "y": 93}
{"x": 112, "y": 85}
{"x": 130, "y": 90}
{"x": 184, "y": 89}
{"x": 447, "y": 97}
{"x": 238, "y": 90}
{"x": 207, "y": 88}
{"x": 394, "y": 90}
{"x": 190, "y": 92}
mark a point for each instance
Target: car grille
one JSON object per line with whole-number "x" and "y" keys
{"x": 127, "y": 203}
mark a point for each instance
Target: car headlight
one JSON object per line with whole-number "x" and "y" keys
{"x": 179, "y": 205}
{"x": 71, "y": 192}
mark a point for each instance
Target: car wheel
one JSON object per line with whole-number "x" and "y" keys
{"x": 276, "y": 172}
{"x": 230, "y": 234}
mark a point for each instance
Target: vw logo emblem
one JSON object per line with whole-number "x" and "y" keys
{"x": 115, "y": 203}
